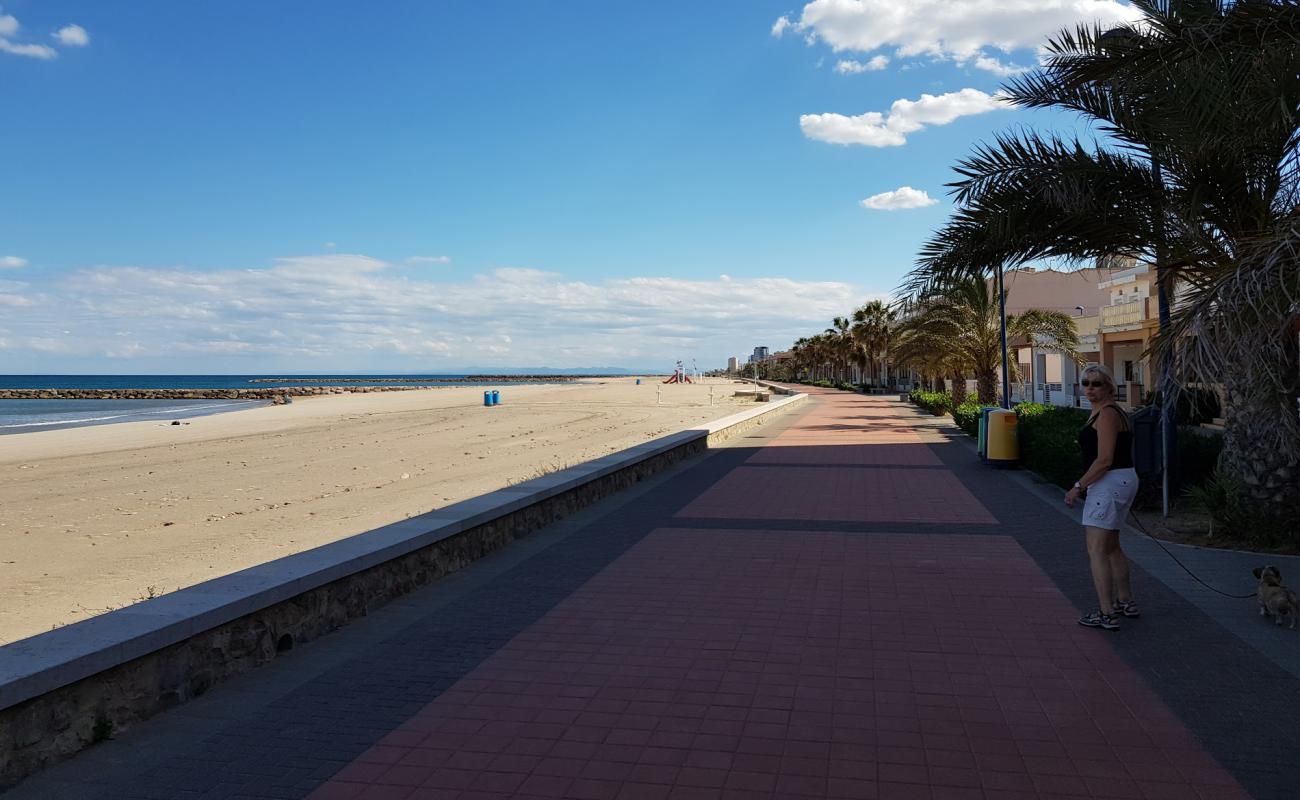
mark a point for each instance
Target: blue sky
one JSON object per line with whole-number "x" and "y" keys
{"x": 421, "y": 186}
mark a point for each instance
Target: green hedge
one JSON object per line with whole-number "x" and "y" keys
{"x": 967, "y": 416}
{"x": 1049, "y": 441}
{"x": 1198, "y": 456}
{"x": 937, "y": 403}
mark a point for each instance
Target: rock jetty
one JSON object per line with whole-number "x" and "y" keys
{"x": 276, "y": 395}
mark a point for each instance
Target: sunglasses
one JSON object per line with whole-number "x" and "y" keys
{"x": 1093, "y": 384}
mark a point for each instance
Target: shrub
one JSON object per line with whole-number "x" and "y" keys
{"x": 1198, "y": 456}
{"x": 1194, "y": 405}
{"x": 1234, "y": 516}
{"x": 967, "y": 416}
{"x": 1049, "y": 441}
{"x": 937, "y": 403}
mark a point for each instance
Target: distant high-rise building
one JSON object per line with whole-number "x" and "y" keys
{"x": 733, "y": 364}
{"x": 760, "y": 353}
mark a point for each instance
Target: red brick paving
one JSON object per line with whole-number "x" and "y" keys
{"x": 757, "y": 664}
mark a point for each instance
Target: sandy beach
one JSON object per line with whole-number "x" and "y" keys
{"x": 95, "y": 518}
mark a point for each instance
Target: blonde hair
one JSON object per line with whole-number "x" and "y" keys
{"x": 1104, "y": 374}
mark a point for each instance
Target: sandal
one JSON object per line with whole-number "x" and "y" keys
{"x": 1096, "y": 619}
{"x": 1128, "y": 608}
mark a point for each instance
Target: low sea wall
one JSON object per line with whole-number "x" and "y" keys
{"x": 64, "y": 690}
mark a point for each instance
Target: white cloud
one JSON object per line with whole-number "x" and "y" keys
{"x": 428, "y": 260}
{"x": 851, "y": 67}
{"x": 12, "y": 262}
{"x": 30, "y": 50}
{"x": 340, "y": 311}
{"x": 990, "y": 64}
{"x": 331, "y": 245}
{"x": 778, "y": 27}
{"x": 901, "y": 198}
{"x": 953, "y": 30}
{"x": 72, "y": 36}
{"x": 875, "y": 129}
{"x": 8, "y": 25}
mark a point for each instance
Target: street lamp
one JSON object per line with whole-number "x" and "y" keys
{"x": 1006, "y": 359}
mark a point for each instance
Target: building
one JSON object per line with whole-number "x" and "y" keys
{"x": 759, "y": 354}
{"x": 733, "y": 364}
{"x": 1128, "y": 323}
{"x": 1046, "y": 374}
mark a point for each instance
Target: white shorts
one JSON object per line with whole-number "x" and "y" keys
{"x": 1109, "y": 499}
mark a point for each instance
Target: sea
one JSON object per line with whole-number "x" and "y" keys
{"x": 27, "y": 416}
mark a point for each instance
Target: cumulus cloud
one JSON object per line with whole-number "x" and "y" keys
{"x": 72, "y": 36}
{"x": 414, "y": 260}
{"x": 875, "y": 129}
{"x": 12, "y": 262}
{"x": 901, "y": 198}
{"x": 69, "y": 35}
{"x": 851, "y": 67}
{"x": 341, "y": 311}
{"x": 950, "y": 30}
{"x": 779, "y": 27}
{"x": 991, "y": 64}
{"x": 40, "y": 51}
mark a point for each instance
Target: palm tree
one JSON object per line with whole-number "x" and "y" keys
{"x": 1197, "y": 171}
{"x": 962, "y": 321}
{"x": 872, "y": 330}
{"x": 841, "y": 346}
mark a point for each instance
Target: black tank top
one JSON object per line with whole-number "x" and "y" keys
{"x": 1123, "y": 458}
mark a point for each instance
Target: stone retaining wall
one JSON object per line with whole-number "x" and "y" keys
{"x": 58, "y": 722}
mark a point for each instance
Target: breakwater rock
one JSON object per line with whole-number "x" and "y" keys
{"x": 276, "y": 395}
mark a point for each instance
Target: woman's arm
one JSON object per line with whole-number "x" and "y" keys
{"x": 1107, "y": 427}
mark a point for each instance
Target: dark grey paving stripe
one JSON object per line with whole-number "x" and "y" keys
{"x": 769, "y": 464}
{"x": 1241, "y": 705}
{"x": 830, "y": 526}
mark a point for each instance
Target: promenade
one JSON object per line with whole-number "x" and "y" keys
{"x": 841, "y": 604}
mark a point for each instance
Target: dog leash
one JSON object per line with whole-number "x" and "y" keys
{"x": 1146, "y": 533}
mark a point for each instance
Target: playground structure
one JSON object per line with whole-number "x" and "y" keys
{"x": 679, "y": 375}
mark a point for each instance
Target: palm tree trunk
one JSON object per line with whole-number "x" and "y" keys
{"x": 1261, "y": 448}
{"x": 958, "y": 388}
{"x": 986, "y": 381}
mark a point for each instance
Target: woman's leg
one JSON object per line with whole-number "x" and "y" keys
{"x": 1120, "y": 573}
{"x": 1101, "y": 543}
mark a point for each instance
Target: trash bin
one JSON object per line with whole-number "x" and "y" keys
{"x": 1001, "y": 441}
{"x": 496, "y": 397}
{"x": 487, "y": 398}
{"x": 982, "y": 440}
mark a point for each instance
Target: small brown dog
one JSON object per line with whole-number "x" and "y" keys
{"x": 1275, "y": 600}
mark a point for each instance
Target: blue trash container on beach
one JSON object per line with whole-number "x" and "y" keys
{"x": 487, "y": 398}
{"x": 496, "y": 397}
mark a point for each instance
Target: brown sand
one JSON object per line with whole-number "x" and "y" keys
{"x": 95, "y": 518}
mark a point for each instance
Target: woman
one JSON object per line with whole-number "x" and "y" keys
{"x": 1110, "y": 483}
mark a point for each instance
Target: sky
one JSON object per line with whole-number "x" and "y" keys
{"x": 430, "y": 185}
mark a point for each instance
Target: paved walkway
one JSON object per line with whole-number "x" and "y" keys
{"x": 843, "y": 604}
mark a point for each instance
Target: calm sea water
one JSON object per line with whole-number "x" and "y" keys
{"x": 25, "y": 416}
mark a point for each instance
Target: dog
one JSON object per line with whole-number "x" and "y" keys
{"x": 1275, "y": 600}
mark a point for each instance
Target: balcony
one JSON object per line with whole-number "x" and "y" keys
{"x": 1127, "y": 315}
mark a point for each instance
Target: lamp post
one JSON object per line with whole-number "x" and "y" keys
{"x": 1006, "y": 359}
